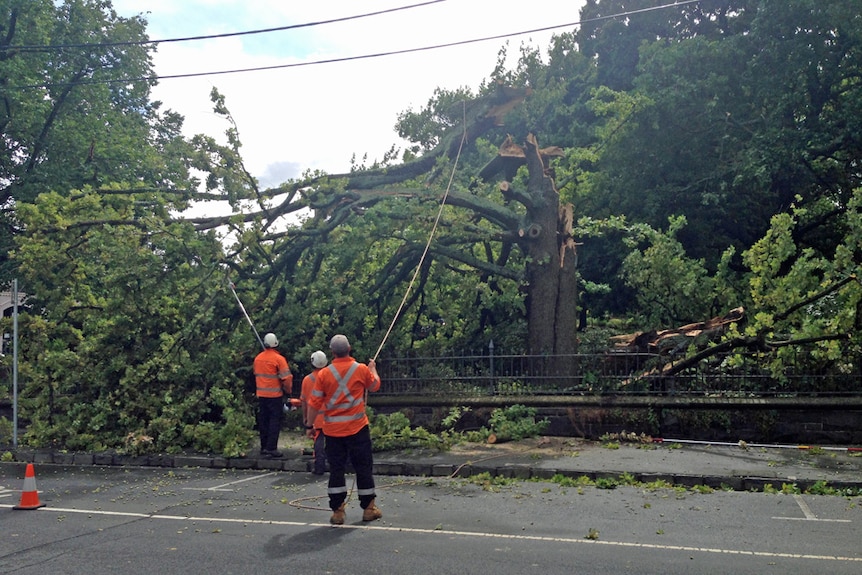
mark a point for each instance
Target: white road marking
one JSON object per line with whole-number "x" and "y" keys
{"x": 436, "y": 532}
{"x": 809, "y": 515}
{"x": 820, "y": 520}
{"x": 224, "y": 486}
{"x": 804, "y": 506}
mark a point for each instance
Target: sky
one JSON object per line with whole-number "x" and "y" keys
{"x": 318, "y": 116}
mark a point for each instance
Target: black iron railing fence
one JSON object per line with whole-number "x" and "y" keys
{"x": 620, "y": 373}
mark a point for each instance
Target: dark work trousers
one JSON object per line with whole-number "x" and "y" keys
{"x": 356, "y": 449}
{"x": 319, "y": 452}
{"x": 270, "y": 410}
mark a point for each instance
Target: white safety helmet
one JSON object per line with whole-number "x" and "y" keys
{"x": 318, "y": 359}
{"x": 269, "y": 340}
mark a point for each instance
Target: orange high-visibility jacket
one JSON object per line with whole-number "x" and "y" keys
{"x": 272, "y": 374}
{"x": 340, "y": 394}
{"x": 305, "y": 394}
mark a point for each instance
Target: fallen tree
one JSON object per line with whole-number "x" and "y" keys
{"x": 685, "y": 347}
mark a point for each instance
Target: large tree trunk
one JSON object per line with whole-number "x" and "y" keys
{"x": 552, "y": 295}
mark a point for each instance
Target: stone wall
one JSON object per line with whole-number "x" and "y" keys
{"x": 786, "y": 426}
{"x": 751, "y": 425}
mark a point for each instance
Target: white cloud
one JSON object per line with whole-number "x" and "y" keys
{"x": 318, "y": 116}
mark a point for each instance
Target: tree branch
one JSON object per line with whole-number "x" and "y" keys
{"x": 759, "y": 340}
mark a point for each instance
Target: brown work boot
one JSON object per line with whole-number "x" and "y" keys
{"x": 338, "y": 516}
{"x": 371, "y": 512}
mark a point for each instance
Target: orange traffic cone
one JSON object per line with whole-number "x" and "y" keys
{"x": 29, "y": 495}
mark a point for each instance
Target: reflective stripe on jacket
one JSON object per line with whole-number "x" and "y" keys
{"x": 272, "y": 375}
{"x": 340, "y": 394}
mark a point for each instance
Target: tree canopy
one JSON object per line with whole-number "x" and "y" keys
{"x": 666, "y": 166}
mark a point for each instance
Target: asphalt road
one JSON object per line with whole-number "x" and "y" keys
{"x": 176, "y": 521}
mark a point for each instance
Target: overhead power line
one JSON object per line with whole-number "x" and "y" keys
{"x": 54, "y": 47}
{"x": 156, "y": 77}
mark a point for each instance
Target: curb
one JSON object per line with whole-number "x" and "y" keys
{"x": 524, "y": 471}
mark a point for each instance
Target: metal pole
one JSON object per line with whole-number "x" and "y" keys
{"x": 15, "y": 363}
{"x": 746, "y": 445}
{"x": 491, "y": 364}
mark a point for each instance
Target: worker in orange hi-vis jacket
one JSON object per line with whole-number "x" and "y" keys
{"x": 339, "y": 393}
{"x": 318, "y": 362}
{"x": 273, "y": 380}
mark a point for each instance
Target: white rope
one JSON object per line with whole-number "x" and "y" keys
{"x": 430, "y": 238}
{"x": 421, "y": 261}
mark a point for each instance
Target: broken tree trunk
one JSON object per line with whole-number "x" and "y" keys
{"x": 676, "y": 340}
{"x": 551, "y": 277}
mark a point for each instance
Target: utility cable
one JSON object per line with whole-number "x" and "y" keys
{"x": 52, "y": 47}
{"x": 156, "y": 77}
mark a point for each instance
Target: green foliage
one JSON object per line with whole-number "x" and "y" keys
{"x": 123, "y": 356}
{"x": 567, "y": 481}
{"x": 681, "y": 129}
{"x": 628, "y": 479}
{"x": 229, "y": 437}
{"x": 508, "y": 424}
{"x": 729, "y": 124}
{"x": 75, "y": 120}
{"x": 607, "y": 483}
{"x": 5, "y": 431}
{"x": 369, "y": 263}
{"x": 790, "y": 489}
{"x": 451, "y": 419}
{"x": 822, "y": 487}
{"x": 490, "y": 482}
{"x": 671, "y": 288}
{"x": 477, "y": 435}
{"x": 516, "y": 422}
{"x": 804, "y": 293}
{"x": 394, "y": 423}
{"x": 702, "y": 489}
{"x": 444, "y": 110}
{"x": 128, "y": 332}
{"x": 394, "y": 432}
{"x": 658, "y": 484}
